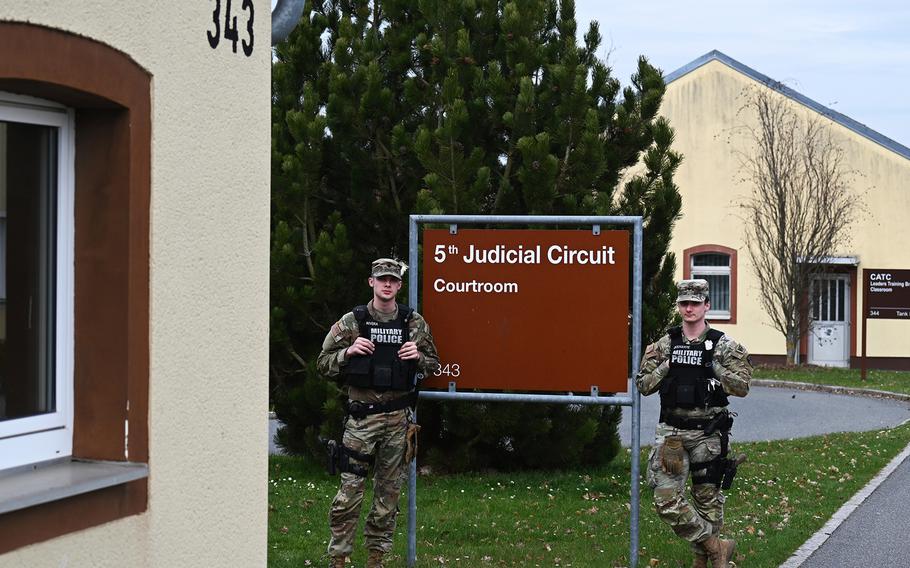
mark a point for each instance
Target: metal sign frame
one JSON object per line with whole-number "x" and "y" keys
{"x": 633, "y": 400}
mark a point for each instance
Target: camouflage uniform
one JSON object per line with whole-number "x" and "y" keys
{"x": 703, "y": 517}
{"x": 380, "y": 435}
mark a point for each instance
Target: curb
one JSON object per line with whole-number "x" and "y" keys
{"x": 815, "y": 541}
{"x": 872, "y": 393}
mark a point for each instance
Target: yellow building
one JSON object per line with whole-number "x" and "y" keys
{"x": 134, "y": 250}
{"x": 703, "y": 103}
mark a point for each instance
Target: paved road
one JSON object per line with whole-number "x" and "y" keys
{"x": 772, "y": 414}
{"x": 779, "y": 414}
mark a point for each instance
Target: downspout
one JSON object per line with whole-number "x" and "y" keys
{"x": 284, "y": 18}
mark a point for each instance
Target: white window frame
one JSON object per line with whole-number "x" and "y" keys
{"x": 700, "y": 271}
{"x": 33, "y": 439}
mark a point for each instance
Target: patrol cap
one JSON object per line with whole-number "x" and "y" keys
{"x": 692, "y": 290}
{"x": 388, "y": 267}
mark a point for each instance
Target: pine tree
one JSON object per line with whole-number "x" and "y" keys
{"x": 386, "y": 108}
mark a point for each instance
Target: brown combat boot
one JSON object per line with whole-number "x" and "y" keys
{"x": 337, "y": 562}
{"x": 374, "y": 560}
{"x": 700, "y": 557}
{"x": 719, "y": 551}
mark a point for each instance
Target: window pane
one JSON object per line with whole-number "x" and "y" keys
{"x": 841, "y": 300}
{"x": 815, "y": 300}
{"x": 28, "y": 199}
{"x": 718, "y": 291}
{"x": 826, "y": 312}
{"x": 710, "y": 259}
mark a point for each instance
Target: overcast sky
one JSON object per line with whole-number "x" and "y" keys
{"x": 851, "y": 56}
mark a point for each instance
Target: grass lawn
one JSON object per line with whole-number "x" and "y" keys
{"x": 892, "y": 381}
{"x": 786, "y": 492}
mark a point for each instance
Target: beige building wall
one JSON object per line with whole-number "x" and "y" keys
{"x": 703, "y": 107}
{"x": 209, "y": 219}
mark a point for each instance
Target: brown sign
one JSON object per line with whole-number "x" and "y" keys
{"x": 887, "y": 293}
{"x": 535, "y": 310}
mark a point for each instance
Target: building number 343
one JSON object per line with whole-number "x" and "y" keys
{"x": 230, "y": 26}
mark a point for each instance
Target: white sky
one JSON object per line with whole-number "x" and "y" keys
{"x": 851, "y": 56}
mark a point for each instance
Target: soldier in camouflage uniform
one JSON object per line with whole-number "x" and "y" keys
{"x": 381, "y": 350}
{"x": 695, "y": 368}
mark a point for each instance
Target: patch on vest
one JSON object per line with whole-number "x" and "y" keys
{"x": 682, "y": 356}
{"x": 387, "y": 335}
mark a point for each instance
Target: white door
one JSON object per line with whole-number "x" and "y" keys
{"x": 829, "y": 332}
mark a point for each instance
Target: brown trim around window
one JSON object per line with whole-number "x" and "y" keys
{"x": 111, "y": 97}
{"x": 699, "y": 249}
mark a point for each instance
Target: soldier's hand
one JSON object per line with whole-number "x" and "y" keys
{"x": 361, "y": 346}
{"x": 408, "y": 351}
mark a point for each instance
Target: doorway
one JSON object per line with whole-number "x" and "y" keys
{"x": 829, "y": 312}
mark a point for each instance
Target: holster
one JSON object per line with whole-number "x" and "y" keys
{"x": 339, "y": 460}
{"x": 722, "y": 421}
{"x": 730, "y": 470}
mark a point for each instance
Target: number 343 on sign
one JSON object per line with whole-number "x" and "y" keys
{"x": 447, "y": 370}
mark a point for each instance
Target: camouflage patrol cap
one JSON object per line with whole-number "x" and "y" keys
{"x": 388, "y": 267}
{"x": 692, "y": 290}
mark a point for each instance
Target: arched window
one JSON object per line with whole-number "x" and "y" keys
{"x": 75, "y": 116}
{"x": 717, "y": 265}
{"x": 36, "y": 280}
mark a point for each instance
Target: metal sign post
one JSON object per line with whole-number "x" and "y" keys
{"x": 579, "y": 251}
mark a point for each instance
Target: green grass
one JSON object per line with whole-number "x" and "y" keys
{"x": 786, "y": 492}
{"x": 891, "y": 381}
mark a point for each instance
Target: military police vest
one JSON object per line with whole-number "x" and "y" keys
{"x": 688, "y": 383}
{"x": 382, "y": 370}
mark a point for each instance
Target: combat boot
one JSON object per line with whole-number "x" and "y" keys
{"x": 337, "y": 562}
{"x": 719, "y": 551}
{"x": 700, "y": 557}
{"x": 374, "y": 560}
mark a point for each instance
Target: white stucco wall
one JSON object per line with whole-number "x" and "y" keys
{"x": 209, "y": 286}
{"x": 703, "y": 108}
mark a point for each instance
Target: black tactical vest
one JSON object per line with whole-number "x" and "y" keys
{"x": 687, "y": 384}
{"x": 382, "y": 370}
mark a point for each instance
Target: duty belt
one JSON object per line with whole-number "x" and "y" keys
{"x": 684, "y": 423}
{"x": 721, "y": 422}
{"x": 359, "y": 409}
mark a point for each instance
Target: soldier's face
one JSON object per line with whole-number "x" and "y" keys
{"x": 693, "y": 312}
{"x": 385, "y": 287}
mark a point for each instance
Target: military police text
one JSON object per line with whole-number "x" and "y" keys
{"x": 684, "y": 356}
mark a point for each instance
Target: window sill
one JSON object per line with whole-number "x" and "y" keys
{"x": 58, "y": 480}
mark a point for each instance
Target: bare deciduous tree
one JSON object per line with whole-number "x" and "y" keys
{"x": 800, "y": 208}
